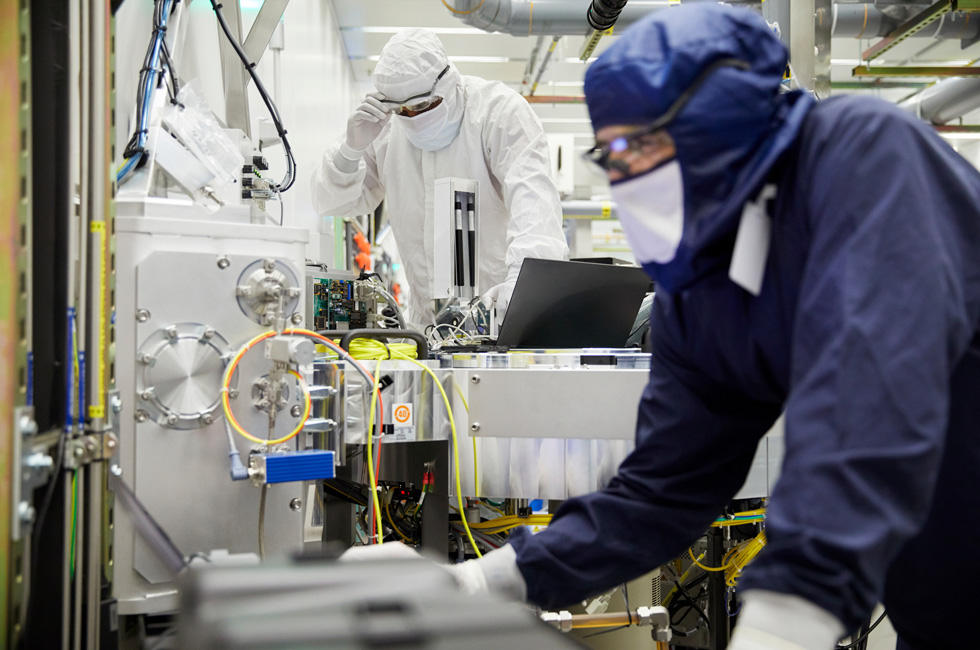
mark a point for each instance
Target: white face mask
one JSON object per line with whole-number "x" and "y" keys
{"x": 431, "y": 130}
{"x": 651, "y": 209}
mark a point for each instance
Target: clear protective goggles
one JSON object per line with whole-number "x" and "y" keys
{"x": 417, "y": 103}
{"x": 610, "y": 157}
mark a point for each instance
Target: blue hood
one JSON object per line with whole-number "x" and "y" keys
{"x": 728, "y": 136}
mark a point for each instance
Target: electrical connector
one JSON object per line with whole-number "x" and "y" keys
{"x": 238, "y": 471}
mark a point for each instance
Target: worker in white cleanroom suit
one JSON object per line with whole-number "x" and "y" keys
{"x": 425, "y": 122}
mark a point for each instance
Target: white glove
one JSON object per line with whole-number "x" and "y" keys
{"x": 499, "y": 297}
{"x": 365, "y": 124}
{"x": 389, "y": 551}
{"x": 495, "y": 572}
{"x": 774, "y": 621}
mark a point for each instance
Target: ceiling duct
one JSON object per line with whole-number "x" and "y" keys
{"x": 946, "y": 101}
{"x": 551, "y": 17}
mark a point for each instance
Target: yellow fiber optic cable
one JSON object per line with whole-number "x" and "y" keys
{"x": 370, "y": 458}
{"x": 452, "y": 426}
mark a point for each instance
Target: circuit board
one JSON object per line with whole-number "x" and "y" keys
{"x": 335, "y": 306}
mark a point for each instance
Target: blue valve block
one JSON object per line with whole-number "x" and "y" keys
{"x": 305, "y": 465}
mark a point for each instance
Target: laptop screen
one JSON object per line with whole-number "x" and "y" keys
{"x": 559, "y": 304}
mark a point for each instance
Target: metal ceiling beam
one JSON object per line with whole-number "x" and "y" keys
{"x": 262, "y": 29}
{"x": 873, "y": 85}
{"x": 916, "y": 71}
{"x": 233, "y": 73}
{"x": 918, "y": 22}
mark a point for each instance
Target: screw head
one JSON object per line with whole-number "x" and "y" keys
{"x": 207, "y": 418}
{"x": 147, "y": 394}
{"x": 475, "y": 426}
{"x": 269, "y": 265}
{"x": 297, "y": 318}
{"x": 142, "y": 416}
{"x": 475, "y": 379}
{"x": 232, "y": 393}
{"x": 28, "y": 426}
{"x": 172, "y": 419}
{"x": 90, "y": 445}
{"x": 223, "y": 263}
{"x": 79, "y": 452}
{"x": 26, "y": 512}
{"x": 296, "y": 411}
{"x": 208, "y": 332}
{"x": 116, "y": 404}
{"x": 172, "y": 333}
{"x": 110, "y": 444}
{"x": 295, "y": 505}
{"x": 142, "y": 315}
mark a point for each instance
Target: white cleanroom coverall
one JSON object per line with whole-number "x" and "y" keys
{"x": 499, "y": 142}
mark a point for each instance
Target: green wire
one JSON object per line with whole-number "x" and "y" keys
{"x": 74, "y": 518}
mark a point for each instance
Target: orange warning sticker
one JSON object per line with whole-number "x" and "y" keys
{"x": 403, "y": 414}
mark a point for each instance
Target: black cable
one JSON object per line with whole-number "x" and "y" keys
{"x": 860, "y": 639}
{"x": 614, "y": 629}
{"x": 48, "y": 495}
{"x": 345, "y": 491}
{"x": 290, "y": 176}
{"x": 171, "y": 72}
{"x": 626, "y": 598}
{"x": 686, "y": 596}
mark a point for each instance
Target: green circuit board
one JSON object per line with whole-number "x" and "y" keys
{"x": 335, "y": 306}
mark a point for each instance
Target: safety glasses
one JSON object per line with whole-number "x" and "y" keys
{"x": 417, "y": 103}
{"x": 606, "y": 155}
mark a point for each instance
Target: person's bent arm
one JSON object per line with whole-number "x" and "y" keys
{"x": 695, "y": 444}
{"x": 346, "y": 182}
{"x": 517, "y": 151}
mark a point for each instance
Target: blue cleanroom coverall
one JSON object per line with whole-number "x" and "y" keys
{"x": 864, "y": 332}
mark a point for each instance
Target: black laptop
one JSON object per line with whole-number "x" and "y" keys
{"x": 560, "y": 304}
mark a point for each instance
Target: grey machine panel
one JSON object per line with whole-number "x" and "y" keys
{"x": 575, "y": 403}
{"x": 182, "y": 476}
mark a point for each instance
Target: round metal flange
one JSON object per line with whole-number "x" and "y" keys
{"x": 263, "y": 286}
{"x": 178, "y": 381}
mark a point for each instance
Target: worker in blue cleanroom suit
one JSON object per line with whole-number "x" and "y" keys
{"x": 818, "y": 259}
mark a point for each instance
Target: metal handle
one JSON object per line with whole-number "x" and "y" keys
{"x": 420, "y": 343}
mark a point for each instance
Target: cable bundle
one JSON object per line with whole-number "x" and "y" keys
{"x": 149, "y": 77}
{"x": 290, "y": 177}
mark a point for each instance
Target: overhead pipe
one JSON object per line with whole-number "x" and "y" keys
{"x": 946, "y": 101}
{"x": 550, "y": 17}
